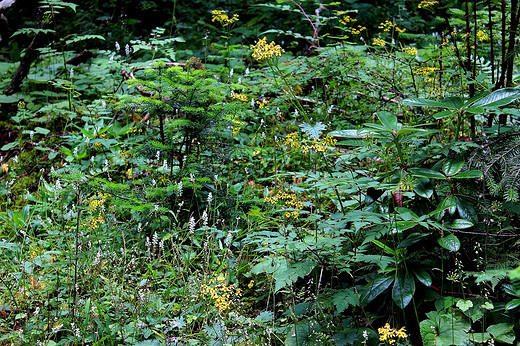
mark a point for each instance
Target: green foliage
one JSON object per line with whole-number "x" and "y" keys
{"x": 319, "y": 189}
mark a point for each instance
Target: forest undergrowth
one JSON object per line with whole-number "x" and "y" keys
{"x": 343, "y": 184}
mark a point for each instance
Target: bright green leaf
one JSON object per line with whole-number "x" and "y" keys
{"x": 449, "y": 242}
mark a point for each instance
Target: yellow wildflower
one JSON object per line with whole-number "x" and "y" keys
{"x": 357, "y": 30}
{"x": 262, "y": 104}
{"x": 264, "y": 51}
{"x": 391, "y": 335}
{"x": 379, "y": 42}
{"x": 291, "y": 140}
{"x": 240, "y": 97}
{"x": 481, "y": 35}
{"x": 221, "y": 17}
{"x": 410, "y": 50}
{"x": 347, "y": 19}
{"x": 222, "y": 294}
{"x": 426, "y": 4}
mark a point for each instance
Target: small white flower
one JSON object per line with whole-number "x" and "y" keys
{"x": 246, "y": 73}
{"x": 71, "y": 73}
{"x": 191, "y": 225}
{"x": 205, "y": 218}
{"x": 118, "y": 47}
{"x": 231, "y": 73}
{"x": 179, "y": 189}
{"x": 210, "y": 198}
{"x": 127, "y": 50}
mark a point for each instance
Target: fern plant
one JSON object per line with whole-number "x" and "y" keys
{"x": 498, "y": 158}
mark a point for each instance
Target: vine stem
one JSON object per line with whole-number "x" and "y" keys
{"x": 315, "y": 35}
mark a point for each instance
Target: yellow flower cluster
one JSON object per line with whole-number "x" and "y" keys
{"x": 221, "y": 17}
{"x": 98, "y": 201}
{"x": 264, "y": 51}
{"x": 425, "y": 70}
{"x": 410, "y": 50}
{"x": 291, "y": 140}
{"x": 240, "y": 97}
{"x": 357, "y": 30}
{"x": 481, "y": 36}
{"x": 222, "y": 294}
{"x": 290, "y": 200}
{"x": 387, "y": 26}
{"x": 237, "y": 126}
{"x": 379, "y": 42}
{"x": 390, "y": 334}
{"x": 93, "y": 222}
{"x": 347, "y": 19}
{"x": 262, "y": 104}
{"x": 319, "y": 145}
{"x": 426, "y": 4}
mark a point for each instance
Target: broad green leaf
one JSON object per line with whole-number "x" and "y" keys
{"x": 468, "y": 175}
{"x": 422, "y": 275}
{"x": 449, "y": 242}
{"x": 444, "y": 329}
{"x": 388, "y": 120}
{"x": 404, "y": 289}
{"x": 498, "y": 98}
{"x": 452, "y": 167}
{"x": 412, "y": 239}
{"x": 459, "y": 224}
{"x": 444, "y": 114}
{"x": 301, "y": 333}
{"x": 375, "y": 288}
{"x": 464, "y": 305}
{"x": 449, "y": 203}
{"x": 479, "y": 337}
{"x": 9, "y": 146}
{"x": 502, "y": 332}
{"x": 512, "y": 304}
{"x": 427, "y": 173}
{"x": 450, "y": 102}
{"x": 41, "y": 130}
{"x": 466, "y": 210}
{"x": 404, "y": 225}
{"x": 423, "y": 187}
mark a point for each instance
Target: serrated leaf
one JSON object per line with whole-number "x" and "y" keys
{"x": 449, "y": 242}
{"x": 315, "y": 131}
{"x": 344, "y": 299}
{"x": 502, "y": 332}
